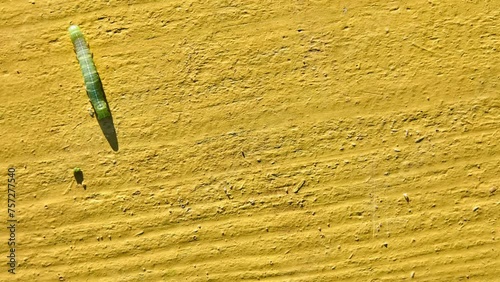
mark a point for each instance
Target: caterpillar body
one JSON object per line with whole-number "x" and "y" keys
{"x": 92, "y": 80}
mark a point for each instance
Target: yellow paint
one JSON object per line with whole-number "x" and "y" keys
{"x": 222, "y": 108}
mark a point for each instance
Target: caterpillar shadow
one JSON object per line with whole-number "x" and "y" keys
{"x": 108, "y": 127}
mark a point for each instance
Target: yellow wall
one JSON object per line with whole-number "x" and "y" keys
{"x": 269, "y": 140}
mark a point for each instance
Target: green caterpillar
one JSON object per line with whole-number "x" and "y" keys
{"x": 93, "y": 83}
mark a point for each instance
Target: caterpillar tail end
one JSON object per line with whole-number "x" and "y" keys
{"x": 102, "y": 112}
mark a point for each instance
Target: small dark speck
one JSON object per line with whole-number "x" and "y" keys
{"x": 300, "y": 30}
{"x": 418, "y": 140}
{"x": 243, "y": 154}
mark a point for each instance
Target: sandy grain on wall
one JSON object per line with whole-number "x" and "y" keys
{"x": 275, "y": 140}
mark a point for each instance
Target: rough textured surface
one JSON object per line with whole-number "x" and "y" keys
{"x": 258, "y": 140}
